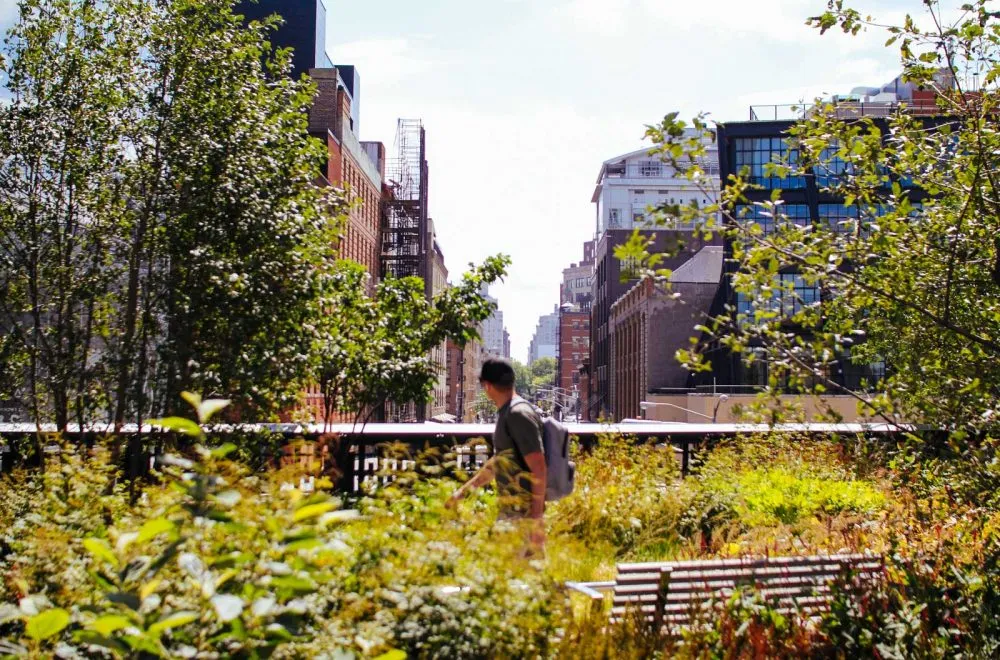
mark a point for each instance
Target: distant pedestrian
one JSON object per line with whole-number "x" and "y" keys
{"x": 518, "y": 462}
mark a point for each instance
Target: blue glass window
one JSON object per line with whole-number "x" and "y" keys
{"x": 831, "y": 168}
{"x": 789, "y": 298}
{"x": 841, "y": 219}
{"x": 756, "y": 153}
{"x": 796, "y": 213}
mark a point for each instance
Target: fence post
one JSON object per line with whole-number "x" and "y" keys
{"x": 662, "y": 591}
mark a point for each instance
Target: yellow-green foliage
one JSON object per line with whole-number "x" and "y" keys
{"x": 780, "y": 496}
{"x": 627, "y": 498}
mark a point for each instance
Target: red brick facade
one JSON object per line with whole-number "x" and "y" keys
{"x": 359, "y": 168}
{"x": 574, "y": 347}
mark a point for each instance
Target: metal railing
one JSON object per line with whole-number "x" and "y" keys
{"x": 368, "y": 454}
{"x": 841, "y": 110}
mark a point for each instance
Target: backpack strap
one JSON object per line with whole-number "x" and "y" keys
{"x": 513, "y": 402}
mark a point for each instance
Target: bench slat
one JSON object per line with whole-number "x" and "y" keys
{"x": 745, "y": 562}
{"x": 749, "y": 576}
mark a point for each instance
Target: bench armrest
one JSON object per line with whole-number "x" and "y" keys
{"x": 593, "y": 590}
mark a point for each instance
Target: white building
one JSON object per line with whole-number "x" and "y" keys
{"x": 545, "y": 342}
{"x": 632, "y": 184}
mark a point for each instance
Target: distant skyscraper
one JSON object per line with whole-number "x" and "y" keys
{"x": 545, "y": 342}
{"x": 492, "y": 328}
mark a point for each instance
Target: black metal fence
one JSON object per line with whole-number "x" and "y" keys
{"x": 359, "y": 455}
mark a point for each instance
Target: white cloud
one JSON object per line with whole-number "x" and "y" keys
{"x": 596, "y": 17}
{"x": 385, "y": 61}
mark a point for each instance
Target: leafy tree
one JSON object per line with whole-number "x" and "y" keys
{"x": 543, "y": 373}
{"x": 522, "y": 378}
{"x": 160, "y": 229}
{"x": 486, "y": 411}
{"x": 378, "y": 349}
{"x": 913, "y": 277}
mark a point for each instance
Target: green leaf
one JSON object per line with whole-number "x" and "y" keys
{"x": 209, "y": 407}
{"x": 304, "y": 544}
{"x": 223, "y": 450}
{"x": 47, "y": 624}
{"x": 293, "y": 583}
{"x": 394, "y": 654}
{"x": 178, "y": 425}
{"x": 193, "y": 399}
{"x": 109, "y": 623}
{"x": 100, "y": 550}
{"x": 313, "y": 510}
{"x": 171, "y": 621}
{"x": 91, "y": 638}
{"x": 153, "y": 528}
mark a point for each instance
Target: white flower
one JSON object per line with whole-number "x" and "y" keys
{"x": 191, "y": 564}
{"x": 263, "y": 606}
{"x": 278, "y": 568}
{"x": 124, "y": 540}
{"x": 227, "y": 606}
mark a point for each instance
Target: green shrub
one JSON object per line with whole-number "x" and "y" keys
{"x": 771, "y": 481}
{"x": 628, "y": 498}
{"x": 778, "y": 496}
{"x": 217, "y": 562}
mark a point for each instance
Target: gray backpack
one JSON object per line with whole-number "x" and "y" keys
{"x": 560, "y": 471}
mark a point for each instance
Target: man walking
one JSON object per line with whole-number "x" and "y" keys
{"x": 518, "y": 463}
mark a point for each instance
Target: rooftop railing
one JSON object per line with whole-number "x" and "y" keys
{"x": 842, "y": 110}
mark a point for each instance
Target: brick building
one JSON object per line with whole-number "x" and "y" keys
{"x": 647, "y": 327}
{"x": 627, "y": 188}
{"x": 609, "y": 286}
{"x": 454, "y": 380}
{"x": 359, "y": 167}
{"x": 439, "y": 355}
{"x": 574, "y": 348}
{"x": 472, "y": 362}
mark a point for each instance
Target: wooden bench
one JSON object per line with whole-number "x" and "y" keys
{"x": 681, "y": 593}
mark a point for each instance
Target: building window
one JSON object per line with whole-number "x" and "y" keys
{"x": 791, "y": 297}
{"x": 637, "y": 218}
{"x": 797, "y": 214}
{"x": 614, "y": 218}
{"x": 839, "y": 218}
{"x": 650, "y": 168}
{"x": 756, "y": 153}
{"x": 831, "y": 168}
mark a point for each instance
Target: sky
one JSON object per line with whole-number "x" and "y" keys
{"x": 522, "y": 101}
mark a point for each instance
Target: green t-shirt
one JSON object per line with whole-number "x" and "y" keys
{"x": 517, "y": 434}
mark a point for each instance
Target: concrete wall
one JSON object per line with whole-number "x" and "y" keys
{"x": 698, "y": 408}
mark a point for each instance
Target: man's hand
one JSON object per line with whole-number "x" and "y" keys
{"x": 456, "y": 497}
{"x": 537, "y": 536}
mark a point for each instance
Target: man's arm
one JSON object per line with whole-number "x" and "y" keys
{"x": 536, "y": 463}
{"x": 478, "y": 480}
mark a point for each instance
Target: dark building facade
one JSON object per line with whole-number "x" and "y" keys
{"x": 806, "y": 201}
{"x": 648, "y": 327}
{"x": 609, "y": 286}
{"x": 304, "y": 29}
